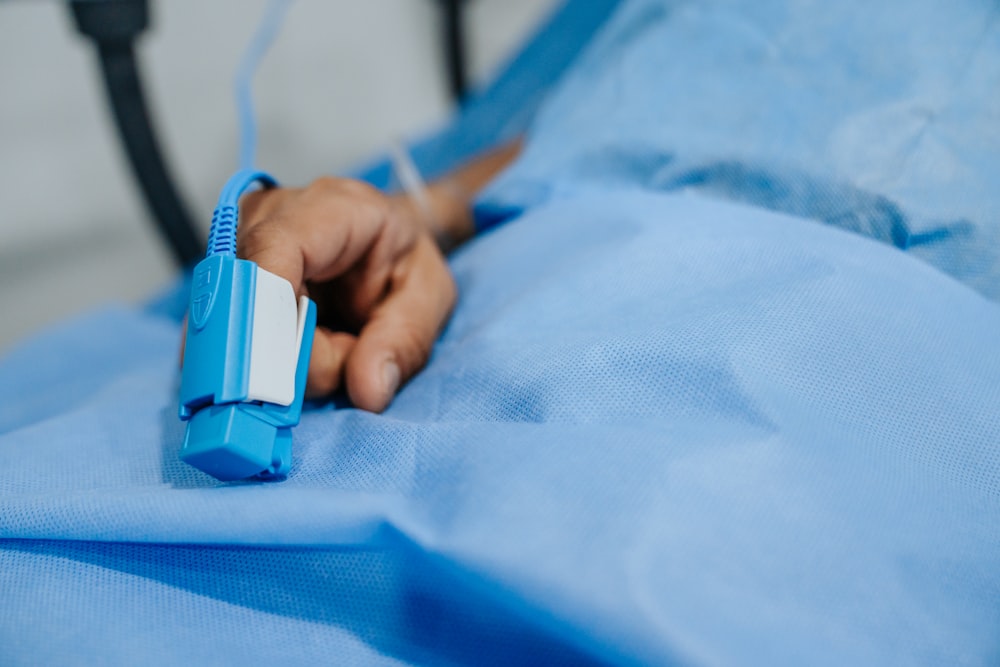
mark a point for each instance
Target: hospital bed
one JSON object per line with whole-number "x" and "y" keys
{"x": 675, "y": 419}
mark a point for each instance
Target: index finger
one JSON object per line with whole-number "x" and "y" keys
{"x": 313, "y": 234}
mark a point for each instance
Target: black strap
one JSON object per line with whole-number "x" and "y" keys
{"x": 114, "y": 25}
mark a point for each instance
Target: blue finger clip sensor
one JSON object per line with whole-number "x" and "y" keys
{"x": 246, "y": 356}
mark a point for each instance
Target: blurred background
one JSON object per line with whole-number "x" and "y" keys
{"x": 342, "y": 79}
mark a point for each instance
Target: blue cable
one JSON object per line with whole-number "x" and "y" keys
{"x": 225, "y": 218}
{"x": 267, "y": 31}
{"x": 237, "y": 428}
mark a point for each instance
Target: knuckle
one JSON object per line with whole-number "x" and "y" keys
{"x": 326, "y": 184}
{"x": 346, "y": 187}
{"x": 370, "y": 205}
{"x": 368, "y": 198}
{"x": 360, "y": 189}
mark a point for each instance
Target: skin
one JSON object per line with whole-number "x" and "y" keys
{"x": 374, "y": 264}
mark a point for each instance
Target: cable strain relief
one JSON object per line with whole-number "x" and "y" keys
{"x": 222, "y": 237}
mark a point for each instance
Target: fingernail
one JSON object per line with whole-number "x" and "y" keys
{"x": 390, "y": 378}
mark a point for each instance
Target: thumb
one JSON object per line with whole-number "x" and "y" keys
{"x": 397, "y": 340}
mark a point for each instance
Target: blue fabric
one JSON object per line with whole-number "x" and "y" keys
{"x": 699, "y": 433}
{"x": 504, "y": 109}
{"x": 880, "y": 117}
{"x": 663, "y": 427}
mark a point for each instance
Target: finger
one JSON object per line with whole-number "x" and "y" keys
{"x": 326, "y": 363}
{"x": 398, "y": 339}
{"x": 319, "y": 234}
{"x": 257, "y": 205}
{"x": 280, "y": 256}
{"x": 365, "y": 286}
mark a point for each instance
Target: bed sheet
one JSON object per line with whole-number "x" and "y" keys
{"x": 671, "y": 421}
{"x": 660, "y": 429}
{"x": 881, "y": 118}
{"x": 504, "y": 109}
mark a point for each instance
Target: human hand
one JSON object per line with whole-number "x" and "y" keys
{"x": 382, "y": 288}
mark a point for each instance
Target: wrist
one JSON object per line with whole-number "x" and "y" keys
{"x": 444, "y": 211}
{"x": 451, "y": 207}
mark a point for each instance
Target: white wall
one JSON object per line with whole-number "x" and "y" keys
{"x": 343, "y": 77}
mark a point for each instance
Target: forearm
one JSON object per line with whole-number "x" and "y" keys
{"x": 448, "y": 204}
